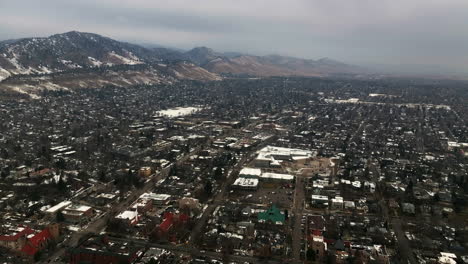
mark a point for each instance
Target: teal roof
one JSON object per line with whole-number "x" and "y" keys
{"x": 273, "y": 214}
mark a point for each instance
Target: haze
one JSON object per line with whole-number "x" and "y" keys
{"x": 416, "y": 35}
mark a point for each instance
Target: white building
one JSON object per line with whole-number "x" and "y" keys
{"x": 276, "y": 177}
{"x": 250, "y": 173}
{"x": 246, "y": 183}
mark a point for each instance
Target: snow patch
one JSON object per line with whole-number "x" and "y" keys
{"x": 131, "y": 61}
{"x": 178, "y": 111}
{"x": 4, "y": 74}
{"x": 94, "y": 62}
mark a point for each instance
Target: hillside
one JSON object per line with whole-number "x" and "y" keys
{"x": 85, "y": 60}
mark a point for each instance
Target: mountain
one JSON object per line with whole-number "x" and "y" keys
{"x": 67, "y": 51}
{"x": 30, "y": 65}
{"x": 86, "y": 60}
{"x": 275, "y": 65}
{"x": 201, "y": 55}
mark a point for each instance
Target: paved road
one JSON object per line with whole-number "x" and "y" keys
{"x": 298, "y": 207}
{"x": 406, "y": 253}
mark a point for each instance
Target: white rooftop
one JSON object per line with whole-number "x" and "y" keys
{"x": 246, "y": 182}
{"x": 155, "y": 196}
{"x": 58, "y": 207}
{"x": 250, "y": 172}
{"x": 277, "y": 176}
{"x": 130, "y": 215}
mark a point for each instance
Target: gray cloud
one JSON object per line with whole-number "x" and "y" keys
{"x": 415, "y": 32}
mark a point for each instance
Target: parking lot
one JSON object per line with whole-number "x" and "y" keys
{"x": 281, "y": 195}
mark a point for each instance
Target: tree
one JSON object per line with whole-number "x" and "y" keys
{"x": 60, "y": 217}
{"x": 208, "y": 188}
{"x": 218, "y": 174}
{"x": 60, "y": 164}
{"x": 4, "y": 174}
{"x": 83, "y": 175}
{"x": 61, "y": 185}
{"x": 102, "y": 176}
{"x": 173, "y": 171}
{"x": 152, "y": 261}
{"x": 311, "y": 255}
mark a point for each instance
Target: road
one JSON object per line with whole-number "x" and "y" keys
{"x": 405, "y": 251}
{"x": 298, "y": 208}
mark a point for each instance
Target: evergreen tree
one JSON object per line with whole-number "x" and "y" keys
{"x": 208, "y": 188}
{"x": 60, "y": 217}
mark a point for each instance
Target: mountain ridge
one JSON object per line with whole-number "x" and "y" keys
{"x": 23, "y": 62}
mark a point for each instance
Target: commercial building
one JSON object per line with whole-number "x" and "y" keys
{"x": 246, "y": 184}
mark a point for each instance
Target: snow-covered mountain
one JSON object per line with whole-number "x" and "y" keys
{"x": 31, "y": 65}
{"x": 71, "y": 50}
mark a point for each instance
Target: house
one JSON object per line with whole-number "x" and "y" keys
{"x": 319, "y": 200}
{"x": 318, "y": 245}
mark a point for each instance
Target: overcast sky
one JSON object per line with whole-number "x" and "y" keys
{"x": 408, "y": 32}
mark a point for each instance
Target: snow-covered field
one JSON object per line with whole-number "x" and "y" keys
{"x": 178, "y": 111}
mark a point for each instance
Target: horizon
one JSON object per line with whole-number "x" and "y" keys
{"x": 389, "y": 33}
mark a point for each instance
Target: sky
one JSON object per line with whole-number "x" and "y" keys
{"x": 403, "y": 34}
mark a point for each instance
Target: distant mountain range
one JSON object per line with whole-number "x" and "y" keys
{"x": 86, "y": 60}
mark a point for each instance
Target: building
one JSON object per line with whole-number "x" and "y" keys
{"x": 273, "y": 155}
{"x": 273, "y": 215}
{"x": 101, "y": 250}
{"x": 245, "y": 184}
{"x": 40, "y": 240}
{"x": 142, "y": 205}
{"x": 15, "y": 238}
{"x": 167, "y": 229}
{"x": 318, "y": 245}
{"x": 128, "y": 217}
{"x": 276, "y": 177}
{"x": 250, "y": 173}
{"x": 157, "y": 198}
{"x": 189, "y": 203}
{"x": 319, "y": 200}
{"x": 337, "y": 203}
{"x": 75, "y": 213}
{"x": 52, "y": 211}
{"x": 27, "y": 241}
{"x": 144, "y": 172}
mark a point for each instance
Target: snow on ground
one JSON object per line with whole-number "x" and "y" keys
{"x": 21, "y": 90}
{"x": 178, "y": 74}
{"x": 131, "y": 61}
{"x": 94, "y": 62}
{"x": 4, "y": 74}
{"x": 178, "y": 111}
{"x": 44, "y": 69}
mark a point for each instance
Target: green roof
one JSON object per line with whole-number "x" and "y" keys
{"x": 273, "y": 214}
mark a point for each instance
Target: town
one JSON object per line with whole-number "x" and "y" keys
{"x": 243, "y": 170}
